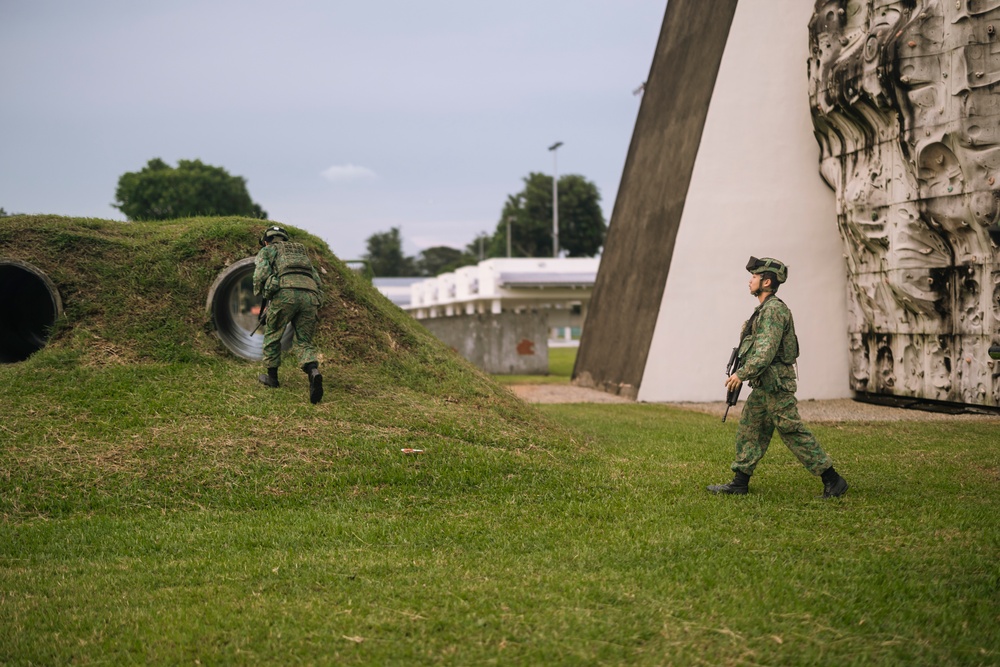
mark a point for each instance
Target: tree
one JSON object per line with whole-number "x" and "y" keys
{"x": 162, "y": 192}
{"x": 441, "y": 259}
{"x": 385, "y": 255}
{"x": 581, "y": 222}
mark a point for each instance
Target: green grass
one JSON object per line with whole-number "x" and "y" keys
{"x": 561, "y": 360}
{"x": 159, "y": 506}
{"x": 145, "y": 521}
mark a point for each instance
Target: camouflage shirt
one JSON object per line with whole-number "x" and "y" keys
{"x": 769, "y": 349}
{"x": 274, "y": 271}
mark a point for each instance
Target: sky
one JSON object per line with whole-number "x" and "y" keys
{"x": 346, "y": 118}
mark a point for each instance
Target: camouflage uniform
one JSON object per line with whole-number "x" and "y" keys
{"x": 769, "y": 349}
{"x": 286, "y": 277}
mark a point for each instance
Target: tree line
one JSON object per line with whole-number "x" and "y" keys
{"x": 192, "y": 188}
{"x": 524, "y": 230}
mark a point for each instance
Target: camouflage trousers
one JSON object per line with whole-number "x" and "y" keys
{"x": 298, "y": 308}
{"x": 764, "y": 412}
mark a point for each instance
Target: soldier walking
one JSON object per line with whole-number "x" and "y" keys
{"x": 769, "y": 348}
{"x": 284, "y": 275}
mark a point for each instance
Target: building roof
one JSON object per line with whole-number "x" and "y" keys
{"x": 572, "y": 279}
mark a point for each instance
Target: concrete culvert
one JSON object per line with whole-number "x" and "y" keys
{"x": 30, "y": 304}
{"x": 233, "y": 309}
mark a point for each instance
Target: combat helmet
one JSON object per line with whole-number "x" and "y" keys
{"x": 764, "y": 264}
{"x": 272, "y": 233}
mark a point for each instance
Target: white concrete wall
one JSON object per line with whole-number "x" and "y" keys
{"x": 755, "y": 190}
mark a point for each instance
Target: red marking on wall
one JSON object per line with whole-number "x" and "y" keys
{"x": 526, "y": 348}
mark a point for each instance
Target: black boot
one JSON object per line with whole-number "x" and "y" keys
{"x": 269, "y": 379}
{"x": 740, "y": 485}
{"x": 833, "y": 484}
{"x": 315, "y": 382}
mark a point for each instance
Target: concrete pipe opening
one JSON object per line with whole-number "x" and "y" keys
{"x": 30, "y": 304}
{"x": 233, "y": 309}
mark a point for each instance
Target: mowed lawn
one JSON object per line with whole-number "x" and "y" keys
{"x": 606, "y": 550}
{"x": 159, "y": 506}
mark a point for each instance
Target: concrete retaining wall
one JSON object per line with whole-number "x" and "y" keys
{"x": 503, "y": 344}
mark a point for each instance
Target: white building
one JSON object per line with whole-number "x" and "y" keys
{"x": 561, "y": 286}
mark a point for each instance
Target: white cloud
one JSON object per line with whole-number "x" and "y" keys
{"x": 341, "y": 173}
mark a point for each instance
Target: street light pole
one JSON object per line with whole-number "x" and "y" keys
{"x": 508, "y": 236}
{"x": 555, "y": 198}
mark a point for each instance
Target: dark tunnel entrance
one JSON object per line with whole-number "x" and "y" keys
{"x": 30, "y": 304}
{"x": 233, "y": 308}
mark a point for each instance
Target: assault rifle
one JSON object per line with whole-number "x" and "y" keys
{"x": 735, "y": 363}
{"x": 261, "y": 316}
{"x": 732, "y": 396}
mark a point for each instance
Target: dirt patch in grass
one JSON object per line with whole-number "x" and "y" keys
{"x": 837, "y": 410}
{"x": 563, "y": 393}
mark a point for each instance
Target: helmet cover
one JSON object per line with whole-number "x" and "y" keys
{"x": 272, "y": 233}
{"x": 763, "y": 264}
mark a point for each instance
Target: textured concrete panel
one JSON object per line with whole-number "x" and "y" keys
{"x": 907, "y": 114}
{"x": 502, "y": 343}
{"x": 650, "y": 202}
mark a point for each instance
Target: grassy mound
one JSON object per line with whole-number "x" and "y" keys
{"x": 134, "y": 402}
{"x": 137, "y": 291}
